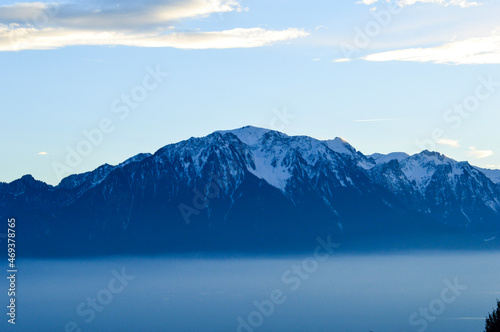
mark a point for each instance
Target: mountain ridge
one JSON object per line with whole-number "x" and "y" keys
{"x": 262, "y": 187}
{"x": 492, "y": 174}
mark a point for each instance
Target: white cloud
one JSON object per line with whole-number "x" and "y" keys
{"x": 479, "y": 154}
{"x": 92, "y": 14}
{"x": 446, "y": 3}
{"x": 29, "y": 38}
{"x": 43, "y": 153}
{"x": 490, "y": 166}
{"x": 367, "y": 2}
{"x": 342, "y": 60}
{"x": 482, "y": 50}
{"x": 149, "y": 23}
{"x": 450, "y": 142}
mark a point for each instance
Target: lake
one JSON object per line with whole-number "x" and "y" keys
{"x": 413, "y": 291}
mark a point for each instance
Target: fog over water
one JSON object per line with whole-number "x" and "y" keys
{"x": 429, "y": 291}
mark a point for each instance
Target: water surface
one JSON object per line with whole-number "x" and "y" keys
{"x": 342, "y": 293}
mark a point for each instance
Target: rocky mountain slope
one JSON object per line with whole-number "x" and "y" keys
{"x": 252, "y": 189}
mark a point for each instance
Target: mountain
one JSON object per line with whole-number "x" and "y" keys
{"x": 492, "y": 174}
{"x": 255, "y": 190}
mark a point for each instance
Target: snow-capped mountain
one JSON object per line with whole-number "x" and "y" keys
{"x": 385, "y": 158}
{"x": 252, "y": 189}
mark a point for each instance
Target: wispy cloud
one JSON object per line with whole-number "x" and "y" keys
{"x": 43, "y": 153}
{"x": 446, "y": 3}
{"x": 56, "y": 38}
{"x": 482, "y": 50}
{"x": 450, "y": 142}
{"x": 149, "y": 23}
{"x": 479, "y": 154}
{"x": 367, "y": 2}
{"x": 342, "y": 60}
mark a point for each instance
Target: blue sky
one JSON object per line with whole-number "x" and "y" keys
{"x": 398, "y": 75}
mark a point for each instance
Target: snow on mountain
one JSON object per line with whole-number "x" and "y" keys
{"x": 341, "y": 146}
{"x": 422, "y": 166}
{"x": 87, "y": 179}
{"x": 93, "y": 178}
{"x": 492, "y": 174}
{"x": 137, "y": 158}
{"x": 271, "y": 167}
{"x": 249, "y": 135}
{"x": 270, "y": 159}
{"x": 325, "y": 186}
{"x": 384, "y": 158}
{"x": 275, "y": 156}
{"x": 221, "y": 154}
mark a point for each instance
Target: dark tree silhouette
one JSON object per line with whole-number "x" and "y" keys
{"x": 493, "y": 320}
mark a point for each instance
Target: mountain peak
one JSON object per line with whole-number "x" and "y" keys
{"x": 137, "y": 158}
{"x": 249, "y": 135}
{"x": 384, "y": 158}
{"x": 437, "y": 157}
{"x": 28, "y": 178}
{"x": 340, "y": 145}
